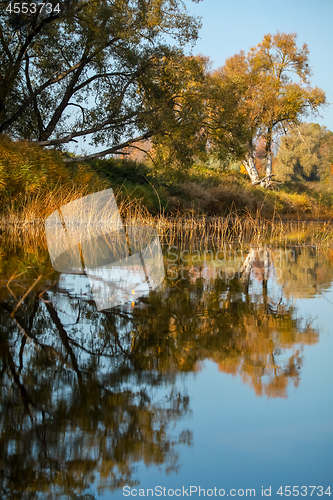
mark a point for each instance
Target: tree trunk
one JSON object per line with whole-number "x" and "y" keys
{"x": 266, "y": 182}
{"x": 250, "y": 166}
{"x": 269, "y": 164}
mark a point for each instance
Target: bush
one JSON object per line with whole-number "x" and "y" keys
{"x": 37, "y": 181}
{"x": 117, "y": 171}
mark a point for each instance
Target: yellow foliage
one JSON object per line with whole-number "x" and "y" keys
{"x": 35, "y": 181}
{"x": 25, "y": 167}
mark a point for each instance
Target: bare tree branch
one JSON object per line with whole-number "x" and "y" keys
{"x": 101, "y": 75}
{"x": 113, "y": 150}
{"x": 68, "y": 138}
{"x": 48, "y": 83}
{"x": 78, "y": 106}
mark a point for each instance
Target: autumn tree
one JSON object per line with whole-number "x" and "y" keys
{"x": 100, "y": 70}
{"x": 273, "y": 79}
{"x": 225, "y": 123}
{"x": 306, "y": 152}
{"x": 181, "y": 113}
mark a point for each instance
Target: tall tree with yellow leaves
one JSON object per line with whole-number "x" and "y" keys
{"x": 274, "y": 78}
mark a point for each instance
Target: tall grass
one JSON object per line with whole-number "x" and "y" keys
{"x": 234, "y": 229}
{"x": 195, "y": 232}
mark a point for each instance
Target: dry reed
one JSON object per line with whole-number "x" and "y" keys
{"x": 189, "y": 230}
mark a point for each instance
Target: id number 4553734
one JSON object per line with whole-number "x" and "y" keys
{"x": 317, "y": 491}
{"x": 32, "y": 8}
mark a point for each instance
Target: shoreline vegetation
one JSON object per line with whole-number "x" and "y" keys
{"x": 205, "y": 203}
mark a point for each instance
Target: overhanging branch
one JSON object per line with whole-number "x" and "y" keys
{"x": 101, "y": 126}
{"x": 114, "y": 150}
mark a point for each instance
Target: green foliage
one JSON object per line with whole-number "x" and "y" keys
{"x": 27, "y": 172}
{"x": 132, "y": 182}
{"x": 100, "y": 69}
{"x": 210, "y": 193}
{"x": 306, "y": 152}
{"x": 25, "y": 168}
{"x": 181, "y": 115}
{"x": 236, "y": 166}
{"x": 116, "y": 170}
{"x": 165, "y": 162}
{"x": 227, "y": 124}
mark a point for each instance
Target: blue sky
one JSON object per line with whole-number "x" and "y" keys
{"x": 231, "y": 26}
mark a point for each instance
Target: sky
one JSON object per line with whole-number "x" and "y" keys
{"x": 234, "y": 25}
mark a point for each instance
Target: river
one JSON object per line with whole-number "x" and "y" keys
{"x": 217, "y": 382}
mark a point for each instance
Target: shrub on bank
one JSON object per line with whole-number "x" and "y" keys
{"x": 35, "y": 181}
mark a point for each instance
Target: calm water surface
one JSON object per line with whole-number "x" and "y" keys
{"x": 221, "y": 378}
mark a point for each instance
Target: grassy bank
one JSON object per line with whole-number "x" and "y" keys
{"x": 34, "y": 182}
{"x": 207, "y": 192}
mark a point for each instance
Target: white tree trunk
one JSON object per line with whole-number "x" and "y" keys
{"x": 266, "y": 181}
{"x": 269, "y": 164}
{"x": 251, "y": 170}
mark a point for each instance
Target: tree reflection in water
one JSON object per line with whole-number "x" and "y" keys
{"x": 87, "y": 393}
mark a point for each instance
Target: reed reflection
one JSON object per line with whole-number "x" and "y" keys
{"x": 86, "y": 236}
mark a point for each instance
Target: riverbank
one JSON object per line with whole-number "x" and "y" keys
{"x": 34, "y": 182}
{"x": 211, "y": 192}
